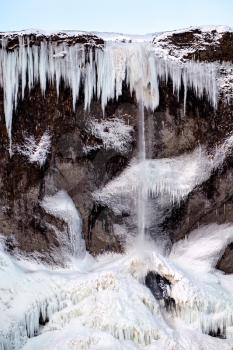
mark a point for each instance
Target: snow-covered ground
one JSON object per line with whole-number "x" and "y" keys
{"x": 111, "y": 36}
{"x": 103, "y": 303}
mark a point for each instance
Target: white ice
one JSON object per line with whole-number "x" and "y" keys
{"x": 62, "y": 206}
{"x": 105, "y": 304}
{"x": 174, "y": 177}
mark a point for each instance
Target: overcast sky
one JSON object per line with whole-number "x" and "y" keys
{"x": 126, "y": 16}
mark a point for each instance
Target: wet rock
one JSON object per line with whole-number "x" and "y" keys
{"x": 159, "y": 287}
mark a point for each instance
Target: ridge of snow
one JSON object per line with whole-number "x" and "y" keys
{"x": 202, "y": 28}
{"x": 116, "y": 35}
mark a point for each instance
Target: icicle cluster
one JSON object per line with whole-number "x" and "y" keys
{"x": 201, "y": 77}
{"x": 102, "y": 72}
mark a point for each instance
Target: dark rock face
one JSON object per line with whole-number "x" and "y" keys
{"x": 226, "y": 262}
{"x": 169, "y": 133}
{"x": 100, "y": 230}
{"x": 68, "y": 167}
{"x": 211, "y": 202}
{"x": 159, "y": 287}
{"x": 36, "y": 39}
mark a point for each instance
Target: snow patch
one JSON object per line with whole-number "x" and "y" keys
{"x": 36, "y": 152}
{"x": 113, "y": 133}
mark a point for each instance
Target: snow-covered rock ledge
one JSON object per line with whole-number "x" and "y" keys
{"x": 207, "y": 43}
{"x": 35, "y": 37}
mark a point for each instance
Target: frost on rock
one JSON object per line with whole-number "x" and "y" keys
{"x": 113, "y": 133}
{"x": 101, "y": 71}
{"x": 61, "y": 206}
{"x": 36, "y": 152}
{"x": 225, "y": 82}
{"x": 77, "y": 306}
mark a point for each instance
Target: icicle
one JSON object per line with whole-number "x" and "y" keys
{"x": 111, "y": 65}
{"x": 185, "y": 91}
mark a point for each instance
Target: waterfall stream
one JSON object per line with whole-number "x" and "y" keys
{"x": 141, "y": 190}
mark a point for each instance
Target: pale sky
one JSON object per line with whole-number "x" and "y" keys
{"x": 126, "y": 16}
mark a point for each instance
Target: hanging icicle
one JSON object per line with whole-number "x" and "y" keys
{"x": 111, "y": 65}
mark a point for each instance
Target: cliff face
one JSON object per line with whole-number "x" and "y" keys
{"x": 68, "y": 167}
{"x": 86, "y": 150}
{"x": 211, "y": 201}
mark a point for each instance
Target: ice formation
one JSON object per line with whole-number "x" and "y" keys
{"x": 102, "y": 72}
{"x": 205, "y": 36}
{"x": 78, "y": 305}
{"x": 113, "y": 133}
{"x": 61, "y": 206}
{"x": 174, "y": 178}
{"x": 74, "y": 308}
{"x": 36, "y": 152}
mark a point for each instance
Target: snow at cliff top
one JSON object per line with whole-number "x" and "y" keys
{"x": 111, "y": 36}
{"x": 103, "y": 303}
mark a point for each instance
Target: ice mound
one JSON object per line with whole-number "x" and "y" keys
{"x": 107, "y": 305}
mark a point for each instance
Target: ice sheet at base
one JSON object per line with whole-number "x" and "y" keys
{"x": 80, "y": 304}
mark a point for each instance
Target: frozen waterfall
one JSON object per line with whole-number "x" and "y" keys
{"x": 101, "y": 71}
{"x": 103, "y": 302}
